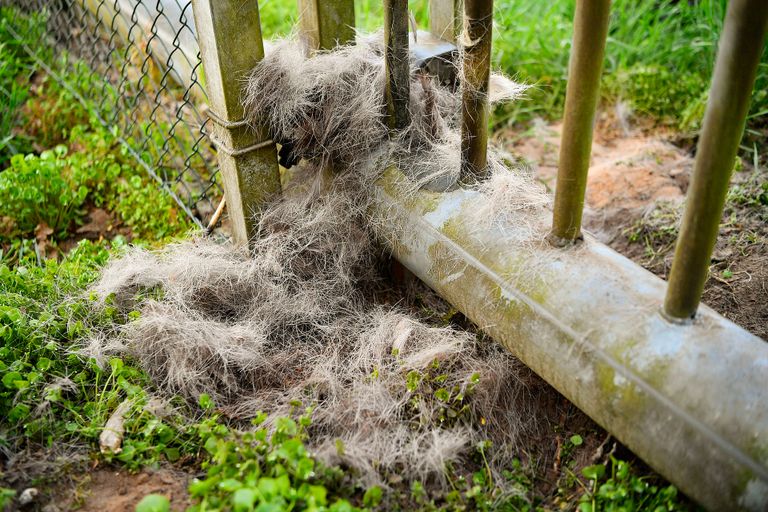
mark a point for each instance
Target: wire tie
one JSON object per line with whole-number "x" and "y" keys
{"x": 241, "y": 151}
{"x": 223, "y": 123}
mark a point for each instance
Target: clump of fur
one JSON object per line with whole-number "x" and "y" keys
{"x": 297, "y": 317}
{"x": 329, "y": 109}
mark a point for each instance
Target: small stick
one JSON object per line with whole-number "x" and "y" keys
{"x": 216, "y": 215}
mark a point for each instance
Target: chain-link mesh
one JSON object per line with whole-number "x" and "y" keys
{"x": 144, "y": 82}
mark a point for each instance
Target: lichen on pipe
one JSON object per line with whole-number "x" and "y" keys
{"x": 475, "y": 44}
{"x": 741, "y": 45}
{"x": 396, "y": 63}
{"x": 689, "y": 400}
{"x": 590, "y": 28}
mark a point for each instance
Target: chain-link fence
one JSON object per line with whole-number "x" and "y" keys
{"x": 144, "y": 81}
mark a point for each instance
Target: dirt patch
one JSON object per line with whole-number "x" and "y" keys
{"x": 635, "y": 192}
{"x": 117, "y": 490}
{"x": 630, "y": 172}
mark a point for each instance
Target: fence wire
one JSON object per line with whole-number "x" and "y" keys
{"x": 144, "y": 82}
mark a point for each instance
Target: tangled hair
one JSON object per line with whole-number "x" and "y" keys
{"x": 303, "y": 314}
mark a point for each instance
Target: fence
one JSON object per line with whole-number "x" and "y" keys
{"x": 688, "y": 395}
{"x": 144, "y": 81}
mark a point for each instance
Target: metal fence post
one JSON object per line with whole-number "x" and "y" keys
{"x": 229, "y": 34}
{"x": 445, "y": 18}
{"x": 590, "y": 28}
{"x": 397, "y": 65}
{"x": 476, "y": 48}
{"x": 327, "y": 23}
{"x": 741, "y": 45}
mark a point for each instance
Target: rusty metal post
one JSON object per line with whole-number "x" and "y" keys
{"x": 229, "y": 34}
{"x": 475, "y": 45}
{"x": 398, "y": 85}
{"x": 590, "y": 28}
{"x": 326, "y": 24}
{"x": 741, "y": 45}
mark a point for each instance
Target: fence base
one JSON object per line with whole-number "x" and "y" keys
{"x": 688, "y": 399}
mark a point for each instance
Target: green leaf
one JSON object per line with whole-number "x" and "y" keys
{"x": 172, "y": 454}
{"x": 318, "y": 494}
{"x": 412, "y": 380}
{"x": 594, "y": 472}
{"x": 154, "y": 503}
{"x": 44, "y": 364}
{"x": 372, "y": 496}
{"x": 230, "y": 485}
{"x": 341, "y": 506}
{"x": 286, "y": 426}
{"x": 205, "y": 401}
{"x": 576, "y": 440}
{"x": 10, "y": 379}
{"x": 443, "y": 395}
{"x": 268, "y": 487}
{"x": 244, "y": 499}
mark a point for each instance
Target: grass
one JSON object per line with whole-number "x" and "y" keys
{"x": 660, "y": 54}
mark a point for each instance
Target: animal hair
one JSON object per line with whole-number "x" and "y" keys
{"x": 302, "y": 313}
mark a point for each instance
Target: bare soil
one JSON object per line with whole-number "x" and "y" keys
{"x": 117, "y": 490}
{"x": 636, "y": 187}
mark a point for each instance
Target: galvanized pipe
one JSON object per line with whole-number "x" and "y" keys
{"x": 738, "y": 56}
{"x": 475, "y": 43}
{"x": 590, "y": 28}
{"x": 690, "y": 400}
{"x": 396, "y": 63}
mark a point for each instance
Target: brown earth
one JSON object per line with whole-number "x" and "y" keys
{"x": 117, "y": 490}
{"x": 636, "y": 187}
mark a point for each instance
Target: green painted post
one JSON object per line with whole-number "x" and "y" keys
{"x": 445, "y": 18}
{"x": 327, "y": 23}
{"x": 397, "y": 66}
{"x": 476, "y": 50}
{"x": 229, "y": 34}
{"x": 590, "y": 28}
{"x": 738, "y": 56}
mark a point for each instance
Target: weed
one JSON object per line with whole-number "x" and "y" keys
{"x": 622, "y": 490}
{"x": 44, "y": 190}
{"x": 273, "y": 471}
{"x": 16, "y": 67}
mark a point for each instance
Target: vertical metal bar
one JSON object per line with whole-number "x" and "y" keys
{"x": 590, "y": 28}
{"x": 229, "y": 34}
{"x": 738, "y": 56}
{"x": 398, "y": 87}
{"x": 326, "y": 24}
{"x": 476, "y": 65}
{"x": 445, "y": 18}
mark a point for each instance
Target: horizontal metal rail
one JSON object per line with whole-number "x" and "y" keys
{"x": 689, "y": 400}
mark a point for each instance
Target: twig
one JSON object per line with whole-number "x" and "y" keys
{"x": 216, "y": 215}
